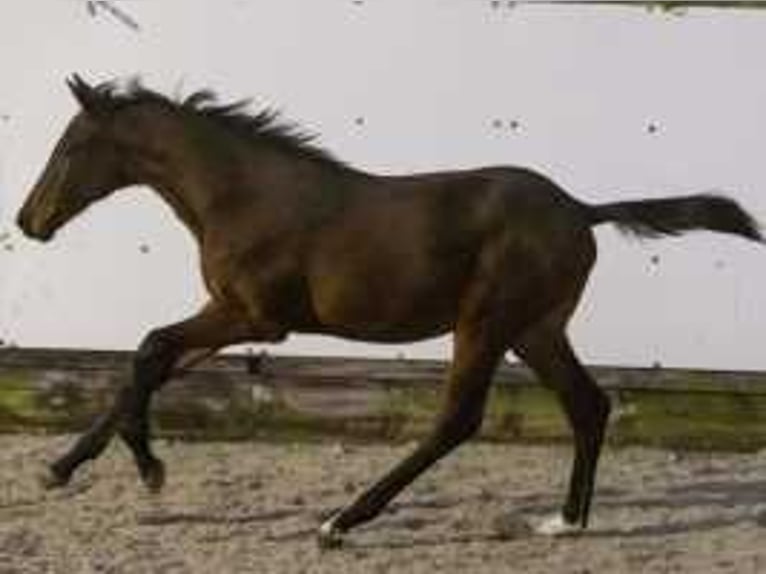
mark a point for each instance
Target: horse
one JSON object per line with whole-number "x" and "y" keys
{"x": 293, "y": 240}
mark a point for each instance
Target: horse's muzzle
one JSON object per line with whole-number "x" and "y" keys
{"x": 28, "y": 227}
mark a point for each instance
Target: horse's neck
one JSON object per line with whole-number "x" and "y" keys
{"x": 184, "y": 209}
{"x": 200, "y": 187}
{"x": 188, "y": 182}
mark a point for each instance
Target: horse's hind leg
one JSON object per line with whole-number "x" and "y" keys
{"x": 474, "y": 362}
{"x": 547, "y": 351}
{"x": 158, "y": 357}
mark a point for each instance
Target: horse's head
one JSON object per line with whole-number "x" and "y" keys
{"x": 87, "y": 164}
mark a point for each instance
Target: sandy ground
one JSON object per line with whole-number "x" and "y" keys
{"x": 254, "y": 507}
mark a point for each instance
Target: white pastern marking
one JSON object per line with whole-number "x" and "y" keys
{"x": 329, "y": 536}
{"x": 327, "y": 528}
{"x": 557, "y": 526}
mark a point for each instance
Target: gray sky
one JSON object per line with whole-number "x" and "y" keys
{"x": 433, "y": 80}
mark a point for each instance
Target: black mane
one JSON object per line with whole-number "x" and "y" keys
{"x": 266, "y": 125}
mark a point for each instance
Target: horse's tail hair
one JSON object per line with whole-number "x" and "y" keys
{"x": 676, "y": 215}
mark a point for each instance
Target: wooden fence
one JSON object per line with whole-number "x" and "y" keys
{"x": 304, "y": 398}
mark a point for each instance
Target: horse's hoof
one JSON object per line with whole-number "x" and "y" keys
{"x": 557, "y": 526}
{"x": 153, "y": 476}
{"x": 329, "y": 537}
{"x": 50, "y": 479}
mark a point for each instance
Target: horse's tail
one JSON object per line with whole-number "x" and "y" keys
{"x": 676, "y": 215}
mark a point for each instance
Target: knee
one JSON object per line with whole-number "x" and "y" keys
{"x": 595, "y": 408}
{"x": 460, "y": 428}
{"x": 602, "y": 405}
{"x": 156, "y": 353}
{"x": 472, "y": 424}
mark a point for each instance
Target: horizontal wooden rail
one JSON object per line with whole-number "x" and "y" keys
{"x": 247, "y": 396}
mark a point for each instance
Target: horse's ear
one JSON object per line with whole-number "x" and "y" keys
{"x": 87, "y": 96}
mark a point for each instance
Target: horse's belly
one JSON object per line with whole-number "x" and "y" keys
{"x": 384, "y": 310}
{"x": 386, "y": 332}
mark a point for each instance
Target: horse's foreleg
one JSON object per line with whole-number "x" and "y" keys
{"x": 460, "y": 418}
{"x": 92, "y": 443}
{"x": 152, "y": 367}
{"x": 163, "y": 353}
{"x": 88, "y": 446}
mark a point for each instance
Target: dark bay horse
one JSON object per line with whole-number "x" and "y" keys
{"x": 293, "y": 240}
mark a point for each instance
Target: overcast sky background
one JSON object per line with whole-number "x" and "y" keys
{"x": 438, "y": 84}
